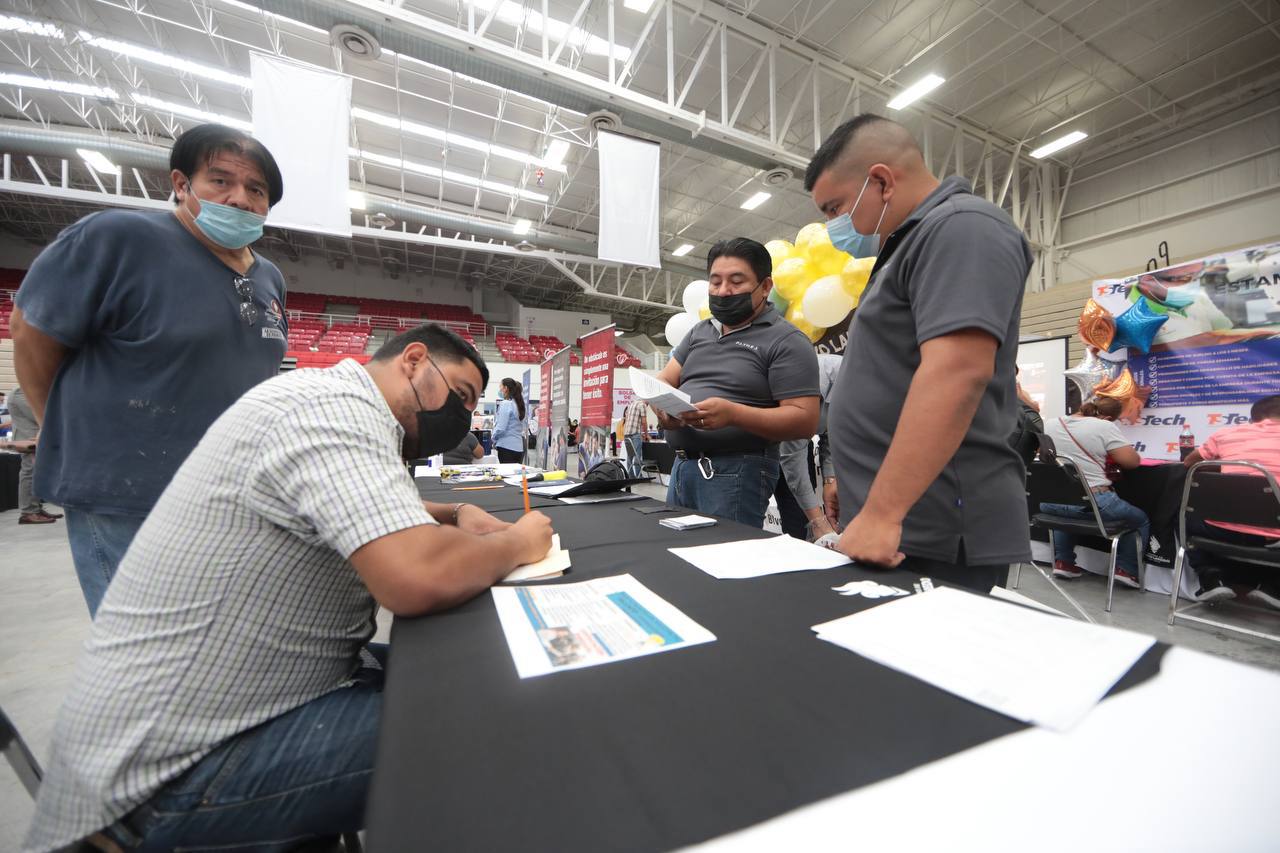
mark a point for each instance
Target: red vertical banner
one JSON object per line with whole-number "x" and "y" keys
{"x": 597, "y": 378}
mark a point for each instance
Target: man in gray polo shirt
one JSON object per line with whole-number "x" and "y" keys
{"x": 920, "y": 418}
{"x": 754, "y": 380}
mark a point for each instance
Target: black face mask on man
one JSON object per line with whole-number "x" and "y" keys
{"x": 439, "y": 429}
{"x": 733, "y": 310}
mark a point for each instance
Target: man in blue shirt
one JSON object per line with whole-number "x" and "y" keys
{"x": 135, "y": 330}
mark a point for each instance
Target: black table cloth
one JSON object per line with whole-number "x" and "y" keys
{"x": 656, "y": 752}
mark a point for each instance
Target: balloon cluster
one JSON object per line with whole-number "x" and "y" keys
{"x": 815, "y": 285}
{"x": 1136, "y": 327}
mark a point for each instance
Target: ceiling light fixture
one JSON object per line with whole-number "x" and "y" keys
{"x": 756, "y": 200}
{"x": 448, "y": 175}
{"x": 14, "y": 24}
{"x": 98, "y": 162}
{"x": 521, "y": 227}
{"x": 556, "y": 152}
{"x": 164, "y": 60}
{"x": 1058, "y": 144}
{"x": 638, "y": 5}
{"x": 682, "y": 250}
{"x": 916, "y": 91}
{"x": 356, "y": 200}
{"x": 190, "y": 111}
{"x": 81, "y": 89}
{"x": 452, "y": 139}
{"x": 514, "y": 14}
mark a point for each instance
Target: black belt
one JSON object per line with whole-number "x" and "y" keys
{"x": 767, "y": 453}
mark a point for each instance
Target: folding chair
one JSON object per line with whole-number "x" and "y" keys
{"x": 658, "y": 457}
{"x": 1061, "y": 482}
{"x": 1233, "y": 498}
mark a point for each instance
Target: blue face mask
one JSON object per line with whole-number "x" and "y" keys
{"x": 846, "y": 238}
{"x": 229, "y": 227}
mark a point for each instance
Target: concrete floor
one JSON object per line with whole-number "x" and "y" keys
{"x": 43, "y": 622}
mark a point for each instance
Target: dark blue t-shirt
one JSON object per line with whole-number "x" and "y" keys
{"x": 158, "y": 350}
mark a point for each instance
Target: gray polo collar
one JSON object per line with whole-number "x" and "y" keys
{"x": 767, "y": 317}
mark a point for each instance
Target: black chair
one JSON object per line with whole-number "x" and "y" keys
{"x": 1059, "y": 481}
{"x": 1235, "y": 499}
{"x": 659, "y": 458}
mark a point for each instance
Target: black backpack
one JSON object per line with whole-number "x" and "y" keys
{"x": 607, "y": 469}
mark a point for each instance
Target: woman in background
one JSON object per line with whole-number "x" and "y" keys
{"x": 509, "y": 425}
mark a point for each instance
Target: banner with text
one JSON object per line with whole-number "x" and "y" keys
{"x": 597, "y": 398}
{"x": 555, "y": 402}
{"x": 1216, "y": 353}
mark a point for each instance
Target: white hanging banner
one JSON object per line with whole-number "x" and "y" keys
{"x": 303, "y": 116}
{"x": 628, "y": 200}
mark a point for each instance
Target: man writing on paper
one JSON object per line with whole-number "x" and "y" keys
{"x": 222, "y": 700}
{"x": 753, "y": 378}
{"x": 925, "y": 475}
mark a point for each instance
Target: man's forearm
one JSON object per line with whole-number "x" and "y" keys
{"x": 935, "y": 417}
{"x": 36, "y": 359}
{"x": 781, "y": 423}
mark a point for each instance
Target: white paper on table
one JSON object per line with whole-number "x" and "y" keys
{"x": 425, "y": 471}
{"x": 555, "y": 563}
{"x": 1018, "y": 598}
{"x": 1026, "y": 665}
{"x": 753, "y": 558}
{"x": 659, "y": 394}
{"x": 552, "y": 489}
{"x": 515, "y": 469}
{"x": 574, "y": 625}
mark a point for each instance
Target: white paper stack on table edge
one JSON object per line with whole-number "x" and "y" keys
{"x": 551, "y": 489}
{"x": 753, "y": 558}
{"x": 551, "y": 566}
{"x": 575, "y": 625}
{"x": 687, "y": 522}
{"x": 1031, "y": 666}
{"x": 659, "y": 394}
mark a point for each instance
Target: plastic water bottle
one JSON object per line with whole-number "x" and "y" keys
{"x": 1186, "y": 442}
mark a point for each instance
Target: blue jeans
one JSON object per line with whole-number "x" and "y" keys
{"x": 635, "y": 452}
{"x": 98, "y": 544}
{"x": 301, "y": 776}
{"x": 738, "y": 489}
{"x": 1112, "y": 508}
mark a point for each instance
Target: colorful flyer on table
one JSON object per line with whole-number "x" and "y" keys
{"x": 569, "y": 626}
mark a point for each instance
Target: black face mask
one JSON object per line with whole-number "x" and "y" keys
{"x": 441, "y": 429}
{"x": 733, "y": 310}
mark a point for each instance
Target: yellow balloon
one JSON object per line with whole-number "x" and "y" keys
{"x": 827, "y": 260}
{"x": 791, "y": 277}
{"x": 779, "y": 250}
{"x": 810, "y": 237}
{"x": 796, "y": 318}
{"x": 855, "y": 275}
{"x": 704, "y": 312}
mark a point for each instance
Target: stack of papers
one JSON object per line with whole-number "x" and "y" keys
{"x": 753, "y": 558}
{"x": 574, "y": 625}
{"x": 659, "y": 394}
{"x": 551, "y": 566}
{"x": 550, "y": 490}
{"x": 687, "y": 522}
{"x": 1027, "y": 665}
{"x": 469, "y": 474}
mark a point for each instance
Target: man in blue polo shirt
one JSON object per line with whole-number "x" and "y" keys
{"x": 135, "y": 330}
{"x": 753, "y": 378}
{"x": 925, "y": 476}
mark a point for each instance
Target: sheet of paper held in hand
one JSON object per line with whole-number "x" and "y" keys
{"x": 551, "y": 566}
{"x": 1031, "y": 666}
{"x": 659, "y": 394}
{"x": 572, "y": 625}
{"x": 753, "y": 558}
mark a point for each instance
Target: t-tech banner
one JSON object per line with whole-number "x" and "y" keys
{"x": 1216, "y": 353}
{"x": 554, "y": 396}
{"x": 597, "y": 398}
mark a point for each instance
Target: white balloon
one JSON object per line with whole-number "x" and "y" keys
{"x": 695, "y": 296}
{"x": 826, "y": 302}
{"x": 678, "y": 325}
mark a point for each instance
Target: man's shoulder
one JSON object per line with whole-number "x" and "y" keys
{"x": 314, "y": 394}
{"x": 968, "y": 212}
{"x": 126, "y": 225}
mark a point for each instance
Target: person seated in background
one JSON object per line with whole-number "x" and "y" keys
{"x": 1087, "y": 438}
{"x": 1026, "y": 435}
{"x": 800, "y": 506}
{"x": 468, "y": 452}
{"x": 220, "y": 701}
{"x": 1257, "y": 441}
{"x": 508, "y": 425}
{"x": 753, "y": 380}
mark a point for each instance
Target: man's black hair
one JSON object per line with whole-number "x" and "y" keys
{"x": 197, "y": 147}
{"x": 441, "y": 343}
{"x": 1267, "y": 407}
{"x": 831, "y": 151}
{"x": 755, "y": 254}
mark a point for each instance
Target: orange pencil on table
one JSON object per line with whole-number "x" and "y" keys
{"x": 524, "y": 484}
